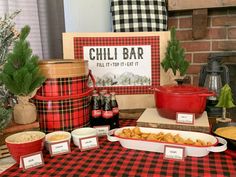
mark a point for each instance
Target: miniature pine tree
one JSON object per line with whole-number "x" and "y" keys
{"x": 175, "y": 56}
{"x": 21, "y": 74}
{"x": 5, "y": 117}
{"x": 225, "y": 99}
{"x": 8, "y": 34}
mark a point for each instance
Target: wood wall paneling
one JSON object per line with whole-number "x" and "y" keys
{"x": 174, "y": 5}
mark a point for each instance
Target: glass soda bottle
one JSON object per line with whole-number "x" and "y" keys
{"x": 115, "y": 109}
{"x": 96, "y": 114}
{"x": 102, "y": 101}
{"x": 107, "y": 113}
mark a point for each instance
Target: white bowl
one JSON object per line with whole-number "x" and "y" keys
{"x": 57, "y": 136}
{"x": 82, "y": 133}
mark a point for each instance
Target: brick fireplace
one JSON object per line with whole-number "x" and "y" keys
{"x": 220, "y": 37}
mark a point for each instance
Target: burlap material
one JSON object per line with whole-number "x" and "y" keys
{"x": 172, "y": 78}
{"x": 25, "y": 111}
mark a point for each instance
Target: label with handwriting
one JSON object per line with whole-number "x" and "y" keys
{"x": 59, "y": 148}
{"x": 89, "y": 143}
{"x": 174, "y": 152}
{"x": 185, "y": 118}
{"x": 102, "y": 130}
{"x": 31, "y": 160}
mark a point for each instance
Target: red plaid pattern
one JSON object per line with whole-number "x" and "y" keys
{"x": 64, "y": 112}
{"x": 64, "y": 86}
{"x": 111, "y": 159}
{"x": 79, "y": 42}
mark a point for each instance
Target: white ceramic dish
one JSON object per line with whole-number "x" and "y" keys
{"x": 49, "y": 139}
{"x": 154, "y": 146}
{"x": 82, "y": 133}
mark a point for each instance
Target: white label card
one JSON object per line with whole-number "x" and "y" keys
{"x": 185, "y": 118}
{"x": 102, "y": 130}
{"x": 59, "y": 148}
{"x": 31, "y": 160}
{"x": 89, "y": 143}
{"x": 173, "y": 152}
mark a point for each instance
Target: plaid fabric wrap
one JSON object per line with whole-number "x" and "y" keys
{"x": 64, "y": 86}
{"x": 64, "y": 114}
{"x": 139, "y": 15}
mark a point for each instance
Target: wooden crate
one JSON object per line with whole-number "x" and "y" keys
{"x": 4, "y": 151}
{"x": 151, "y": 118}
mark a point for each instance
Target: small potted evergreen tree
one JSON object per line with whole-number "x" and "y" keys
{"x": 21, "y": 76}
{"x": 225, "y": 101}
{"x": 8, "y": 34}
{"x": 174, "y": 62}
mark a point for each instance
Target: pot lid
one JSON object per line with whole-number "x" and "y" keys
{"x": 182, "y": 89}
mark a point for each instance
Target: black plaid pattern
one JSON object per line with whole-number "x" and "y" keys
{"x": 111, "y": 159}
{"x": 139, "y": 15}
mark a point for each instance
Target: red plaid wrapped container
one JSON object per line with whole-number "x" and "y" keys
{"x": 63, "y": 113}
{"x": 64, "y": 77}
{"x": 64, "y": 86}
{"x": 63, "y": 101}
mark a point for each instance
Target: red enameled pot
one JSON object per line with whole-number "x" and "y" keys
{"x": 171, "y": 99}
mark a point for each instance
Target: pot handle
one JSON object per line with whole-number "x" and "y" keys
{"x": 210, "y": 93}
{"x": 221, "y": 148}
{"x": 110, "y": 137}
{"x": 154, "y": 89}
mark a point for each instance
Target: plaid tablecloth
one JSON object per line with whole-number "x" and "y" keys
{"x": 111, "y": 159}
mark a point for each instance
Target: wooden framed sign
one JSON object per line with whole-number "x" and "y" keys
{"x": 126, "y": 63}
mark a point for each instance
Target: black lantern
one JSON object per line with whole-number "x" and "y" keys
{"x": 213, "y": 76}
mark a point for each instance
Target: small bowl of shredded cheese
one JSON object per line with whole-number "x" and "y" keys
{"x": 56, "y": 137}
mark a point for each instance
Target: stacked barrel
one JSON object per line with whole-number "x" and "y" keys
{"x": 63, "y": 101}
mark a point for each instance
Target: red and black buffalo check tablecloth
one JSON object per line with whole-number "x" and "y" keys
{"x": 111, "y": 159}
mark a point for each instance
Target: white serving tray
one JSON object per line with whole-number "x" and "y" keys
{"x": 154, "y": 146}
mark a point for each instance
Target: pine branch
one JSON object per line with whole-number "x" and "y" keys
{"x": 21, "y": 73}
{"x": 175, "y": 56}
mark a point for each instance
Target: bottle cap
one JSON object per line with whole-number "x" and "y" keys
{"x": 107, "y": 95}
{"x": 95, "y": 91}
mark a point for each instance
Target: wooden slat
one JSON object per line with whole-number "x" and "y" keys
{"x": 199, "y": 23}
{"x": 17, "y": 127}
{"x": 4, "y": 152}
{"x": 174, "y": 5}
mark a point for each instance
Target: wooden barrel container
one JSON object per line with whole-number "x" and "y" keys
{"x": 64, "y": 77}
{"x": 63, "y": 100}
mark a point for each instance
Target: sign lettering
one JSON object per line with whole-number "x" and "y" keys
{"x": 120, "y": 65}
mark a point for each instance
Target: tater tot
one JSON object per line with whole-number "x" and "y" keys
{"x": 189, "y": 141}
{"x": 151, "y": 137}
{"x": 137, "y": 131}
{"x": 145, "y": 135}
